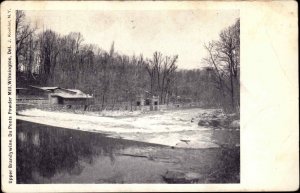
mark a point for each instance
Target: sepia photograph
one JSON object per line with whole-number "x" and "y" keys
{"x": 149, "y": 96}
{"x": 127, "y": 96}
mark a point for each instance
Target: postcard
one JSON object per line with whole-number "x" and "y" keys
{"x": 149, "y": 96}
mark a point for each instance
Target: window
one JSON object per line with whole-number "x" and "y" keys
{"x": 147, "y": 102}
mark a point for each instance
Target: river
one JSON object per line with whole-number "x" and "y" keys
{"x": 48, "y": 154}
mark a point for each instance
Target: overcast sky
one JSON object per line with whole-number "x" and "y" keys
{"x": 142, "y": 32}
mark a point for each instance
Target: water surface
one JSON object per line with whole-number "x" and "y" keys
{"x": 47, "y": 154}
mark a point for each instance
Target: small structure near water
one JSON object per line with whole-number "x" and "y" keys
{"x": 52, "y": 96}
{"x": 146, "y": 100}
{"x": 69, "y": 97}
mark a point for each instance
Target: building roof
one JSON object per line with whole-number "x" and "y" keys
{"x": 75, "y": 91}
{"x": 67, "y": 93}
{"x": 73, "y": 96}
{"x": 46, "y": 88}
{"x": 49, "y": 87}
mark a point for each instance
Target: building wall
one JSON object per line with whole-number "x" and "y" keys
{"x": 31, "y": 96}
{"x": 32, "y": 93}
{"x": 75, "y": 101}
{"x": 53, "y": 100}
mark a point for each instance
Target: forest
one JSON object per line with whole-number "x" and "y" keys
{"x": 47, "y": 58}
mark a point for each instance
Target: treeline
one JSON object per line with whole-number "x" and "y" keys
{"x": 51, "y": 59}
{"x": 224, "y": 58}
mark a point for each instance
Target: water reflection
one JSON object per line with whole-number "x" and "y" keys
{"x": 48, "y": 151}
{"x": 225, "y": 138}
{"x": 48, "y": 154}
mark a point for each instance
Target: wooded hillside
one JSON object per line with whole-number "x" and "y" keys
{"x": 50, "y": 59}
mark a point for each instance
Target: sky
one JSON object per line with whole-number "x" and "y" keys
{"x": 176, "y": 32}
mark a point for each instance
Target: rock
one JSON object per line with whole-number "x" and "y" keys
{"x": 217, "y": 119}
{"x": 203, "y": 123}
{"x": 211, "y": 122}
{"x": 173, "y": 177}
{"x": 182, "y": 177}
{"x": 214, "y": 122}
{"x": 219, "y": 111}
{"x": 192, "y": 176}
{"x": 235, "y": 124}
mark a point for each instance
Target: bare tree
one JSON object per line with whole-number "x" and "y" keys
{"x": 224, "y": 57}
{"x": 23, "y": 33}
{"x": 151, "y": 71}
{"x": 49, "y": 50}
{"x": 169, "y": 67}
{"x": 160, "y": 70}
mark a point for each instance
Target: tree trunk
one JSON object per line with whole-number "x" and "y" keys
{"x": 103, "y": 101}
{"x": 17, "y": 62}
